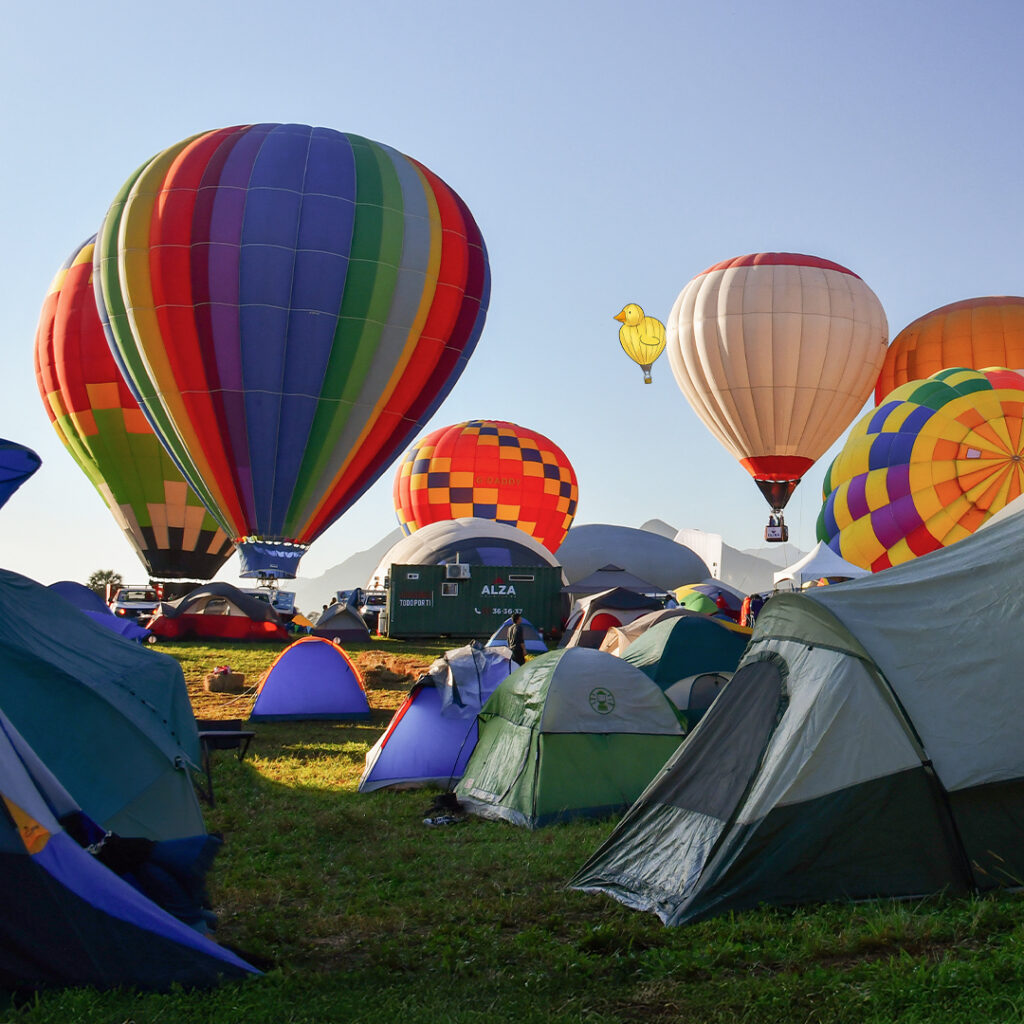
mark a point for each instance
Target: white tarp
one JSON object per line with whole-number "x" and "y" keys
{"x": 821, "y": 561}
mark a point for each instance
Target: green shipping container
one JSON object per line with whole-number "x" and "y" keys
{"x": 469, "y": 600}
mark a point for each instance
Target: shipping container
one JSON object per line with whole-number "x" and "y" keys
{"x": 471, "y": 601}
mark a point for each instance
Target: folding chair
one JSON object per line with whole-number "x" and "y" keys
{"x": 220, "y": 734}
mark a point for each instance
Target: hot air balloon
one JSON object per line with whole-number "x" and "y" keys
{"x": 642, "y": 337}
{"x": 929, "y": 465}
{"x": 290, "y": 305}
{"x": 101, "y": 425}
{"x": 974, "y": 333}
{"x": 776, "y": 353}
{"x": 17, "y": 464}
{"x": 488, "y": 469}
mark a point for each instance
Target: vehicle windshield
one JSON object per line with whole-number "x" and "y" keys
{"x": 136, "y": 595}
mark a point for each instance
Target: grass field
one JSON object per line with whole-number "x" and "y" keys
{"x": 368, "y": 915}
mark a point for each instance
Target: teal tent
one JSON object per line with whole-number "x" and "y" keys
{"x": 67, "y": 918}
{"x": 690, "y": 657}
{"x": 572, "y": 733}
{"x": 867, "y": 746}
{"x": 110, "y": 719}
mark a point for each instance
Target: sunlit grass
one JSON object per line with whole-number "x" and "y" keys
{"x": 368, "y": 915}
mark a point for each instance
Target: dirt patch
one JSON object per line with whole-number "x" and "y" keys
{"x": 388, "y": 678}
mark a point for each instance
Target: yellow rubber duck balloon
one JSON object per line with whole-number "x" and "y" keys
{"x": 642, "y": 337}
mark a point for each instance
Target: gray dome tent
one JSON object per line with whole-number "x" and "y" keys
{"x": 650, "y": 556}
{"x": 854, "y": 754}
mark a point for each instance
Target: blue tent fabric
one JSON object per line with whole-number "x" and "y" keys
{"x": 84, "y": 598}
{"x": 121, "y": 627}
{"x": 17, "y": 464}
{"x": 69, "y": 920}
{"x": 431, "y": 736}
{"x": 534, "y": 641}
{"x": 311, "y": 679}
{"x": 88, "y": 602}
{"x": 110, "y": 718}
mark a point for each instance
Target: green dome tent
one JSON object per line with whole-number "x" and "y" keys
{"x": 867, "y": 746}
{"x": 572, "y": 733}
{"x": 690, "y": 657}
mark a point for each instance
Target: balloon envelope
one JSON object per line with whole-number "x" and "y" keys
{"x": 488, "y": 469}
{"x": 17, "y": 464}
{"x": 290, "y": 304}
{"x": 642, "y": 337}
{"x": 974, "y": 333}
{"x": 929, "y": 465}
{"x": 102, "y": 427}
{"x": 776, "y": 353}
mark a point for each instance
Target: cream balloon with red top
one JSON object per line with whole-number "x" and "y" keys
{"x": 776, "y": 353}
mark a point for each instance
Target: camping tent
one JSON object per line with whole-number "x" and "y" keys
{"x": 111, "y": 720}
{"x": 311, "y": 679}
{"x": 822, "y": 561}
{"x": 618, "y": 638}
{"x": 608, "y": 577}
{"x": 853, "y": 754}
{"x": 342, "y": 621}
{"x": 89, "y": 603}
{"x": 690, "y": 657}
{"x": 592, "y": 616}
{"x": 220, "y": 611}
{"x": 658, "y": 560}
{"x": 68, "y": 919}
{"x": 432, "y": 734}
{"x": 84, "y": 598}
{"x": 711, "y": 597}
{"x": 534, "y": 641}
{"x": 572, "y": 733}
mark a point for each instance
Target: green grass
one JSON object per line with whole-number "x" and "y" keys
{"x": 368, "y": 915}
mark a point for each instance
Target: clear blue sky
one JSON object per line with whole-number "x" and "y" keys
{"x": 609, "y": 152}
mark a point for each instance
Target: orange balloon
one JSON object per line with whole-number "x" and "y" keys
{"x": 974, "y": 333}
{"x": 488, "y": 469}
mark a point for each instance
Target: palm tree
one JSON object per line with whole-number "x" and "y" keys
{"x": 101, "y": 579}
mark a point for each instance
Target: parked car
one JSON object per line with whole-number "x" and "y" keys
{"x": 374, "y": 602}
{"x": 137, "y": 602}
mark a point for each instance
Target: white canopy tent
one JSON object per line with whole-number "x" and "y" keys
{"x": 821, "y": 561}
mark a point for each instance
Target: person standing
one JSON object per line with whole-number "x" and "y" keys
{"x": 516, "y": 639}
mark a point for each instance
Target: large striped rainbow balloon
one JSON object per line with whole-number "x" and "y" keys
{"x": 929, "y": 465}
{"x": 290, "y": 305}
{"x": 102, "y": 427}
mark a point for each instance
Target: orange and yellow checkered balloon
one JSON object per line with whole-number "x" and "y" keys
{"x": 488, "y": 469}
